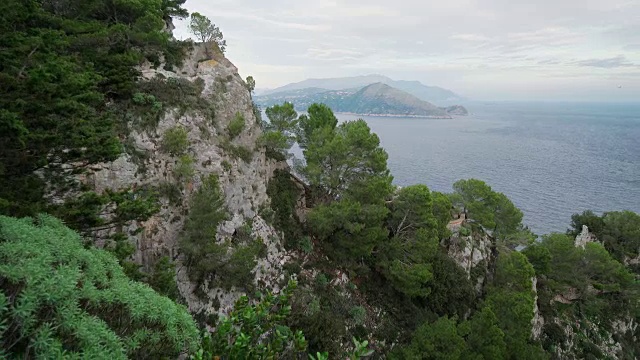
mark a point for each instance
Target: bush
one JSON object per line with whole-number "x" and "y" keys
{"x": 306, "y": 245}
{"x": 179, "y": 93}
{"x": 175, "y": 141}
{"x": 171, "y": 192}
{"x": 256, "y": 331}
{"x": 322, "y": 280}
{"x": 284, "y": 194}
{"x": 236, "y": 126}
{"x": 64, "y": 300}
{"x": 207, "y": 211}
{"x": 226, "y": 165}
{"x": 184, "y": 170}
{"x": 163, "y": 278}
{"x": 358, "y": 314}
{"x": 146, "y": 109}
{"x": 237, "y": 151}
{"x": 220, "y": 264}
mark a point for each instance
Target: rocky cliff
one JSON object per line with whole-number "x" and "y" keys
{"x": 575, "y": 331}
{"x": 474, "y": 251}
{"x": 243, "y": 179}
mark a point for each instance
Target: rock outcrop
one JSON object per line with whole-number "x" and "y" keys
{"x": 576, "y": 331}
{"x": 472, "y": 250}
{"x": 457, "y": 110}
{"x": 243, "y": 181}
{"x": 538, "y": 321}
{"x": 585, "y": 237}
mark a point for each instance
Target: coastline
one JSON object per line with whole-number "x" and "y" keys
{"x": 395, "y": 115}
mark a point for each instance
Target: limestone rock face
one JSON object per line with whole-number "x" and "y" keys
{"x": 473, "y": 251}
{"x": 585, "y": 237}
{"x": 242, "y": 182}
{"x": 538, "y": 321}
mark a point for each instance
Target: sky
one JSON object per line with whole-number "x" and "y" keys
{"x": 577, "y": 50}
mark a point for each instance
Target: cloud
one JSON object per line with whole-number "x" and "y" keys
{"x": 456, "y": 44}
{"x": 273, "y": 22}
{"x": 607, "y": 63}
{"x": 551, "y": 61}
{"x": 331, "y": 54}
{"x": 469, "y": 37}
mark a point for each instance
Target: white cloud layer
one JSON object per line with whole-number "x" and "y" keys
{"x": 486, "y": 49}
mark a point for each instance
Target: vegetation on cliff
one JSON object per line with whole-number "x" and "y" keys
{"x": 59, "y": 299}
{"x": 389, "y": 243}
{"x": 373, "y": 261}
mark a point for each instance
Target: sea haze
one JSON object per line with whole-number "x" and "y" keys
{"x": 550, "y": 159}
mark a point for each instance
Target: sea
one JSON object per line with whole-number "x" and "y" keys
{"x": 551, "y": 159}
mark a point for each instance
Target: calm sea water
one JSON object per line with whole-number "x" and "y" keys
{"x": 550, "y": 159}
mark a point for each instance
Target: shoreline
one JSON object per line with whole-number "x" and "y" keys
{"x": 396, "y": 115}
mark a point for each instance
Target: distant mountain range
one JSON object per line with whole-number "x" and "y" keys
{"x": 372, "y": 99}
{"x": 433, "y": 94}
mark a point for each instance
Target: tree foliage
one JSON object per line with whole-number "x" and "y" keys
{"x": 69, "y": 72}
{"x": 278, "y": 136}
{"x": 442, "y": 208}
{"x": 236, "y": 126}
{"x": 319, "y": 116}
{"x": 412, "y": 209}
{"x": 251, "y": 83}
{"x": 225, "y": 263}
{"x": 175, "y": 141}
{"x": 284, "y": 195}
{"x": 60, "y": 299}
{"x": 207, "y": 32}
{"x": 619, "y": 231}
{"x": 206, "y": 212}
{"x": 511, "y": 299}
{"x": 603, "y": 286}
{"x": 347, "y": 169}
{"x": 485, "y": 339}
{"x": 492, "y": 210}
{"x": 256, "y": 331}
{"x": 438, "y": 341}
{"x": 347, "y": 162}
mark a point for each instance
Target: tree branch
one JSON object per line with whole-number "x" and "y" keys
{"x": 24, "y": 67}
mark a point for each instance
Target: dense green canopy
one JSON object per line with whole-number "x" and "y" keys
{"x": 59, "y": 299}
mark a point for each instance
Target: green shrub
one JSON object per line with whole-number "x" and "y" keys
{"x": 63, "y": 300}
{"x": 171, "y": 192}
{"x": 184, "y": 170}
{"x": 284, "y": 194}
{"x": 306, "y": 245}
{"x": 175, "y": 141}
{"x": 292, "y": 268}
{"x": 180, "y": 94}
{"x": 163, "y": 278}
{"x": 358, "y": 314}
{"x": 322, "y": 280}
{"x": 221, "y": 264}
{"x": 236, "y": 125}
{"x": 257, "y": 113}
{"x": 237, "y": 151}
{"x": 207, "y": 211}
{"x": 146, "y": 109}
{"x": 243, "y": 153}
{"x": 256, "y": 331}
{"x": 226, "y": 165}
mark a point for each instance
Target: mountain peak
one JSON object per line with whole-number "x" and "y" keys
{"x": 416, "y": 88}
{"x": 377, "y": 99}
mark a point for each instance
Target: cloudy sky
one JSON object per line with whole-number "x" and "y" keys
{"x": 484, "y": 49}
